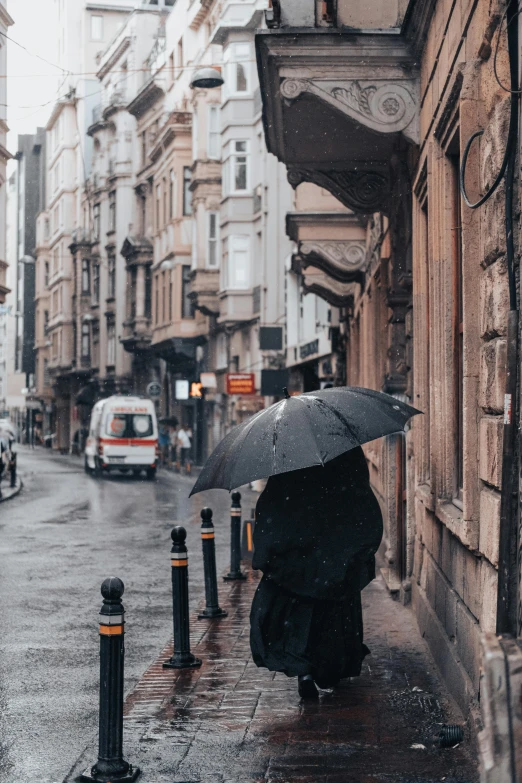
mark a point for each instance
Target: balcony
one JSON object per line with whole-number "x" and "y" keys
{"x": 117, "y": 100}
{"x": 204, "y": 287}
{"x": 237, "y": 13}
{"x": 326, "y": 78}
{"x": 98, "y": 121}
{"x": 235, "y": 306}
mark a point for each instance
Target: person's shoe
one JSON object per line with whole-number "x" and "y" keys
{"x": 306, "y": 687}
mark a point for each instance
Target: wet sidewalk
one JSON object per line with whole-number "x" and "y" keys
{"x": 230, "y": 722}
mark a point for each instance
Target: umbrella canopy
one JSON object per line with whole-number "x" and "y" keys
{"x": 301, "y": 431}
{"x": 7, "y": 426}
{"x": 172, "y": 421}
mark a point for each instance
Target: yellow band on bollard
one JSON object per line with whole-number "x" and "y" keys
{"x": 111, "y": 630}
{"x": 176, "y": 563}
{"x": 207, "y": 535}
{"x": 250, "y": 543}
{"x": 235, "y": 512}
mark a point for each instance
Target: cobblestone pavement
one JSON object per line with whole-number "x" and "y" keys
{"x": 230, "y": 722}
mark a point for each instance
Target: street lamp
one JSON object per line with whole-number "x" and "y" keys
{"x": 206, "y": 77}
{"x": 167, "y": 264}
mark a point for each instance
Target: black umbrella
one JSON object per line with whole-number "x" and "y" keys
{"x": 172, "y": 421}
{"x": 301, "y": 431}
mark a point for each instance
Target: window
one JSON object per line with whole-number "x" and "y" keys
{"x": 86, "y": 276}
{"x": 171, "y": 291}
{"x": 221, "y": 351}
{"x": 111, "y": 273}
{"x": 180, "y": 56}
{"x": 96, "y": 221}
{"x": 195, "y": 134}
{"x": 237, "y": 268}
{"x": 143, "y": 214}
{"x": 237, "y": 68}
{"x": 458, "y": 330}
{"x": 212, "y": 240}
{"x": 239, "y": 167}
{"x": 143, "y": 148}
{"x": 165, "y": 202}
{"x": 214, "y": 132}
{"x": 95, "y": 283}
{"x": 95, "y": 358}
{"x": 187, "y": 195}
{"x": 112, "y": 210}
{"x": 171, "y": 67}
{"x": 156, "y": 299}
{"x": 86, "y": 341}
{"x": 171, "y": 193}
{"x": 96, "y": 27}
{"x": 187, "y": 308}
{"x": 111, "y": 343}
{"x": 46, "y": 274}
{"x": 164, "y": 297}
{"x": 158, "y": 207}
{"x": 148, "y": 292}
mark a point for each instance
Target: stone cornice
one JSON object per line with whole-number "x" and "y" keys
{"x": 5, "y": 19}
{"x": 364, "y": 192}
{"x": 382, "y": 105}
{"x": 113, "y": 59}
{"x": 315, "y": 281}
{"x": 298, "y": 220}
{"x": 342, "y": 260}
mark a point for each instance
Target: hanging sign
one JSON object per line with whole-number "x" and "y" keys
{"x": 241, "y": 383}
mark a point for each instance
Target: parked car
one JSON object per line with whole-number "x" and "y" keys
{"x": 123, "y": 435}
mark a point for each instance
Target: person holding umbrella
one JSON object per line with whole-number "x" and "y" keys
{"x": 318, "y": 526}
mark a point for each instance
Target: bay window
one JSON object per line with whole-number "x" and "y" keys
{"x": 212, "y": 240}
{"x": 237, "y": 266}
{"x": 187, "y": 195}
{"x": 239, "y": 175}
{"x": 86, "y": 276}
{"x": 214, "y": 132}
{"x": 237, "y": 58}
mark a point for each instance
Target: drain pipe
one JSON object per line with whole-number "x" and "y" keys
{"x": 508, "y": 540}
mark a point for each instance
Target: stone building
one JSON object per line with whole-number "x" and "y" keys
{"x": 375, "y": 103}
{"x": 5, "y": 23}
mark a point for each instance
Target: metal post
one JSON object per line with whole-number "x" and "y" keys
{"x": 212, "y": 608}
{"x": 111, "y": 766}
{"x": 235, "y": 540}
{"x": 12, "y": 469}
{"x": 182, "y": 657}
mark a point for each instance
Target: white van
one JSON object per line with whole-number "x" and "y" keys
{"x": 123, "y": 435}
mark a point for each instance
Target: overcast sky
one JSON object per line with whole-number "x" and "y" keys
{"x": 30, "y": 81}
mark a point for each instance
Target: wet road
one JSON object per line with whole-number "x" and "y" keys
{"x": 59, "y": 539}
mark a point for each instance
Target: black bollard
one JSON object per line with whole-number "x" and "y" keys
{"x": 212, "y": 608}
{"x": 182, "y": 657}
{"x": 111, "y": 766}
{"x": 235, "y": 540}
{"x": 12, "y": 469}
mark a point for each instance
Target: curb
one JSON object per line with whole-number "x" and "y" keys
{"x": 11, "y": 492}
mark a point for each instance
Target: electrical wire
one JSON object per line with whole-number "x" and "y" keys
{"x": 511, "y": 140}
{"x": 32, "y": 54}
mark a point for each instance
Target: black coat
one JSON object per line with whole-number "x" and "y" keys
{"x": 317, "y": 531}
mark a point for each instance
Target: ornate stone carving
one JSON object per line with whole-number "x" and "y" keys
{"x": 387, "y": 107}
{"x": 363, "y": 191}
{"x": 332, "y": 291}
{"x": 343, "y": 260}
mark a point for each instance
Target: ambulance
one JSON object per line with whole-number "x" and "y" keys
{"x": 123, "y": 436}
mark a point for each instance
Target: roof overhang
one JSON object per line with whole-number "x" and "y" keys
{"x": 335, "y": 107}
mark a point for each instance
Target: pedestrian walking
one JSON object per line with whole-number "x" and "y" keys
{"x": 173, "y": 445}
{"x": 317, "y": 531}
{"x": 184, "y": 446}
{"x": 318, "y": 525}
{"x": 164, "y": 443}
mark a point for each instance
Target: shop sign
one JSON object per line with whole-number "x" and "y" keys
{"x": 154, "y": 390}
{"x": 309, "y": 349}
{"x": 182, "y": 390}
{"x": 208, "y": 380}
{"x": 241, "y": 383}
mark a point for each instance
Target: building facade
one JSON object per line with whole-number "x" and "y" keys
{"x": 5, "y": 23}
{"x": 405, "y": 85}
